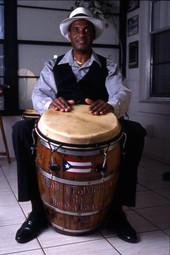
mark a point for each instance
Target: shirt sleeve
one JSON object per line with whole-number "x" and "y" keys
{"x": 119, "y": 94}
{"x": 45, "y": 89}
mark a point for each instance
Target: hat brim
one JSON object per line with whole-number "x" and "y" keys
{"x": 98, "y": 24}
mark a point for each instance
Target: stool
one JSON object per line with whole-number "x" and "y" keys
{"x": 5, "y": 142}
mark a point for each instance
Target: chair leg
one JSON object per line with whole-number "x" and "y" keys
{"x": 4, "y": 140}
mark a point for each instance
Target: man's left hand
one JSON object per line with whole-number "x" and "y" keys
{"x": 99, "y": 107}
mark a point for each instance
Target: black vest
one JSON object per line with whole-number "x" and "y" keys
{"x": 92, "y": 85}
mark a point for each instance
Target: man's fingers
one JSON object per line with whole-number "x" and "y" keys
{"x": 99, "y": 107}
{"x": 71, "y": 101}
{"x": 60, "y": 104}
{"x": 89, "y": 101}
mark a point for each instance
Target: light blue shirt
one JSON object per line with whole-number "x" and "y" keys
{"x": 45, "y": 89}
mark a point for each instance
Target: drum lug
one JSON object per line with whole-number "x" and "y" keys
{"x": 123, "y": 145}
{"x": 34, "y": 145}
{"x": 100, "y": 168}
{"x": 33, "y": 148}
{"x": 54, "y": 167}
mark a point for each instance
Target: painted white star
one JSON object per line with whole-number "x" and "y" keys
{"x": 67, "y": 166}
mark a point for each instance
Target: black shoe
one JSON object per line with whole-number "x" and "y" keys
{"x": 124, "y": 230}
{"x": 31, "y": 228}
{"x": 122, "y": 227}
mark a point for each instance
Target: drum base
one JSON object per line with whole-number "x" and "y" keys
{"x": 75, "y": 226}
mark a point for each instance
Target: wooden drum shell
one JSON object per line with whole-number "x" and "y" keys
{"x": 77, "y": 203}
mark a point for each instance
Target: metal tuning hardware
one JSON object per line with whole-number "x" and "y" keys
{"x": 102, "y": 168}
{"x": 33, "y": 147}
{"x": 124, "y": 144}
{"x": 53, "y": 166}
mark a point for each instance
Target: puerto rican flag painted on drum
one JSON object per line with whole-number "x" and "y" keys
{"x": 76, "y": 166}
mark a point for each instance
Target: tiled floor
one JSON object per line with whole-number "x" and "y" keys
{"x": 150, "y": 218}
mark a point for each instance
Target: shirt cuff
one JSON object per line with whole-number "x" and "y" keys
{"x": 46, "y": 106}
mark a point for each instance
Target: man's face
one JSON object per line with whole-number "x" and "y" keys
{"x": 81, "y": 35}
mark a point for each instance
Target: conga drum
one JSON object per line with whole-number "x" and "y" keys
{"x": 78, "y": 160}
{"x": 30, "y": 114}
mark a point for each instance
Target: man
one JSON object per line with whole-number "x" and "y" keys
{"x": 79, "y": 77}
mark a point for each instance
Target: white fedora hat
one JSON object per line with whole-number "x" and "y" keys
{"x": 81, "y": 13}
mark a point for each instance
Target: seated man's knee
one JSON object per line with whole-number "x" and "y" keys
{"x": 23, "y": 126}
{"x": 134, "y": 129}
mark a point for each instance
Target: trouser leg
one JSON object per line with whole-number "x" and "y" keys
{"x": 26, "y": 170}
{"x": 126, "y": 188}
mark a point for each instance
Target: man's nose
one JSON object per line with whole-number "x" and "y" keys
{"x": 82, "y": 32}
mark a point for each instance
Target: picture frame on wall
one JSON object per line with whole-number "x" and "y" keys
{"x": 133, "y": 25}
{"x": 133, "y": 54}
{"x": 132, "y": 4}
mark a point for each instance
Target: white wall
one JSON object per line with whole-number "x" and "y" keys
{"x": 153, "y": 114}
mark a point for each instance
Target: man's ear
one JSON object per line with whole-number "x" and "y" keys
{"x": 69, "y": 34}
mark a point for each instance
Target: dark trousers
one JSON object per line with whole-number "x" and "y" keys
{"x": 27, "y": 181}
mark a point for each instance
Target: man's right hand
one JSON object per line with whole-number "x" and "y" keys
{"x": 60, "y": 104}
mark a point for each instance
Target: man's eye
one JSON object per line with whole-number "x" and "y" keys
{"x": 76, "y": 30}
{"x": 88, "y": 30}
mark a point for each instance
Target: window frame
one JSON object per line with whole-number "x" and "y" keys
{"x": 146, "y": 60}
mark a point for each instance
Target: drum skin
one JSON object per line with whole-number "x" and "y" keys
{"x": 30, "y": 114}
{"x": 77, "y": 181}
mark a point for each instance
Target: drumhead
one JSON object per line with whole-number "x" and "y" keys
{"x": 30, "y": 113}
{"x": 78, "y": 126}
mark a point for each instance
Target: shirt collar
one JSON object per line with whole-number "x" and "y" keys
{"x": 68, "y": 59}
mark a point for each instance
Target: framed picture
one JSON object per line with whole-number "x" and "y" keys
{"x": 132, "y": 4}
{"x": 133, "y": 25}
{"x": 133, "y": 54}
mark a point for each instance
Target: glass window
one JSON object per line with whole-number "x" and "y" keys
{"x": 32, "y": 57}
{"x": 1, "y": 54}
{"x": 160, "y": 59}
{"x": 37, "y": 28}
{"x": 160, "y": 15}
{"x": 1, "y": 22}
{"x": 1, "y": 60}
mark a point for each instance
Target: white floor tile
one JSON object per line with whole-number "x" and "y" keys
{"x": 152, "y": 243}
{"x": 10, "y": 169}
{"x": 151, "y": 180}
{"x": 149, "y": 198}
{"x": 7, "y": 198}
{"x": 140, "y": 187}
{"x": 107, "y": 231}
{"x": 52, "y": 238}
{"x": 2, "y": 176}
{"x": 32, "y": 252}
{"x": 8, "y": 243}
{"x": 166, "y": 231}
{"x": 26, "y": 207}
{"x": 139, "y": 223}
{"x": 153, "y": 166}
{"x": 164, "y": 192}
{"x": 100, "y": 247}
{"x": 11, "y": 215}
{"x": 157, "y": 215}
{"x": 4, "y": 186}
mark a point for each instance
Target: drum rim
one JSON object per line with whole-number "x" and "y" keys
{"x": 117, "y": 138}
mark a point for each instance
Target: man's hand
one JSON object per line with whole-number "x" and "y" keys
{"x": 99, "y": 107}
{"x": 60, "y": 104}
